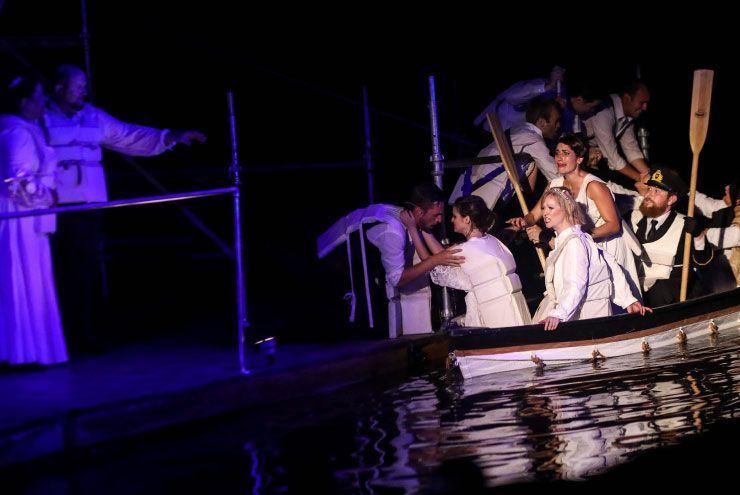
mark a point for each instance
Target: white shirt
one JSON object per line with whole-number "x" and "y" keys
{"x": 509, "y": 104}
{"x": 579, "y": 266}
{"x": 571, "y": 275}
{"x": 661, "y": 220}
{"x": 707, "y": 205}
{"x": 604, "y": 127}
{"x": 721, "y": 238}
{"x": 726, "y": 238}
{"x": 392, "y": 239}
{"x": 525, "y": 138}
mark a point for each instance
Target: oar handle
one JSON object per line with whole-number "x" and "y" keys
{"x": 507, "y": 157}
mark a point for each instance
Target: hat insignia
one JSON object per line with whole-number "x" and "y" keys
{"x": 657, "y": 176}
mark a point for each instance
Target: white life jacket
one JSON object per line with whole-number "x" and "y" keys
{"x": 661, "y": 253}
{"x": 76, "y": 140}
{"x": 487, "y": 289}
{"x": 488, "y": 292}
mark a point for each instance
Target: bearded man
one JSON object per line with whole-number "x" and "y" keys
{"x": 661, "y": 231}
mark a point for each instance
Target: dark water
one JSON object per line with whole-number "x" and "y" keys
{"x": 434, "y": 433}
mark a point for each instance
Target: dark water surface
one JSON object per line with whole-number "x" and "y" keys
{"x": 434, "y": 433}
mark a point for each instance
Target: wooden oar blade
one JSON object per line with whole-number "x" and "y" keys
{"x": 701, "y": 99}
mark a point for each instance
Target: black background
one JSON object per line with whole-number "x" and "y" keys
{"x": 297, "y": 75}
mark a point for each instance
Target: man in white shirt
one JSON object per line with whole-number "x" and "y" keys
{"x": 510, "y": 106}
{"x": 78, "y": 131}
{"x": 407, "y": 276}
{"x": 490, "y": 181}
{"x": 722, "y": 232}
{"x": 612, "y": 128}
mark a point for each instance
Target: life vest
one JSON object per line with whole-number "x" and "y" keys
{"x": 661, "y": 253}
{"x": 80, "y": 175}
{"x": 488, "y": 293}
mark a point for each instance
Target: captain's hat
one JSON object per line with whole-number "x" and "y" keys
{"x": 668, "y": 180}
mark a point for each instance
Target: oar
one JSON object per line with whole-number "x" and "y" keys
{"x": 510, "y": 166}
{"x": 701, "y": 98}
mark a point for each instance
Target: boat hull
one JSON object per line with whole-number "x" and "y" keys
{"x": 481, "y": 351}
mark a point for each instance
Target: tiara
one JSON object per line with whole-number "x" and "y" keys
{"x": 562, "y": 192}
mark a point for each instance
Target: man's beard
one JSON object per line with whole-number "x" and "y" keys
{"x": 426, "y": 228}
{"x": 652, "y": 211}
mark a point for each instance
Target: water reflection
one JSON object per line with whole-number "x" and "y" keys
{"x": 437, "y": 434}
{"x": 568, "y": 423}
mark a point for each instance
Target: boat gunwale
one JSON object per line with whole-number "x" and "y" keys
{"x": 468, "y": 341}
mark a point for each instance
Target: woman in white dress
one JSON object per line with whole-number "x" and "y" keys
{"x": 602, "y": 219}
{"x": 494, "y": 293}
{"x": 30, "y": 327}
{"x": 581, "y": 279}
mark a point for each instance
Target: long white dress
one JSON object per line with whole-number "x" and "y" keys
{"x": 30, "y": 326}
{"x": 615, "y": 244}
{"x": 494, "y": 297}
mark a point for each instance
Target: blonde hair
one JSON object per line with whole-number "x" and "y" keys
{"x": 573, "y": 213}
